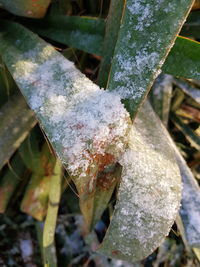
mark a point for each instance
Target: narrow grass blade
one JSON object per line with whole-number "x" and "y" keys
{"x": 137, "y": 63}
{"x": 84, "y": 33}
{"x": 148, "y": 196}
{"x": 113, "y": 23}
{"x": 193, "y": 138}
{"x": 189, "y": 210}
{"x": 189, "y": 112}
{"x": 197, "y": 253}
{"x": 16, "y": 122}
{"x": 188, "y": 89}
{"x": 26, "y": 8}
{"x": 184, "y": 59}
{"x": 161, "y": 95}
{"x": 10, "y": 180}
{"x": 49, "y": 252}
{"x": 178, "y": 98}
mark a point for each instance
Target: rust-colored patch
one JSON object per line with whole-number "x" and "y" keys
{"x": 105, "y": 180}
{"x": 116, "y": 252}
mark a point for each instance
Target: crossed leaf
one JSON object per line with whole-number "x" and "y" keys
{"x": 90, "y": 130}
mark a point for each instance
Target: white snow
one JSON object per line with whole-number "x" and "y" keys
{"x": 83, "y": 122}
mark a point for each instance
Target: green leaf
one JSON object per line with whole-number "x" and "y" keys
{"x": 16, "y": 122}
{"x": 184, "y": 59}
{"x": 26, "y": 8}
{"x": 147, "y": 33}
{"x": 7, "y": 84}
{"x": 113, "y": 22}
{"x": 148, "y": 196}
{"x": 160, "y": 96}
{"x": 84, "y": 33}
{"x": 30, "y": 152}
{"x": 10, "y": 180}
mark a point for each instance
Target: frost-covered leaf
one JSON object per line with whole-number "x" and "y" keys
{"x": 148, "y": 31}
{"x": 26, "y": 8}
{"x": 72, "y": 102}
{"x": 189, "y": 211}
{"x": 16, "y": 122}
{"x": 84, "y": 33}
{"x": 149, "y": 194}
{"x": 160, "y": 96}
{"x": 87, "y": 126}
{"x": 188, "y": 220}
{"x": 87, "y": 34}
{"x": 184, "y": 59}
{"x": 107, "y": 179}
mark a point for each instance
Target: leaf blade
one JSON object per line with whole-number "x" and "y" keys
{"x": 183, "y": 59}
{"x": 142, "y": 216}
{"x": 16, "y": 122}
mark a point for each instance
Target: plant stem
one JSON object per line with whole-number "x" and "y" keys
{"x": 49, "y": 252}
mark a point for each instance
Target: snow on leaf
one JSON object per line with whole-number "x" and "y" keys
{"x": 83, "y": 122}
{"x": 149, "y": 193}
{"x": 147, "y": 33}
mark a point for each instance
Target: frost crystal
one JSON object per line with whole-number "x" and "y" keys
{"x": 83, "y": 122}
